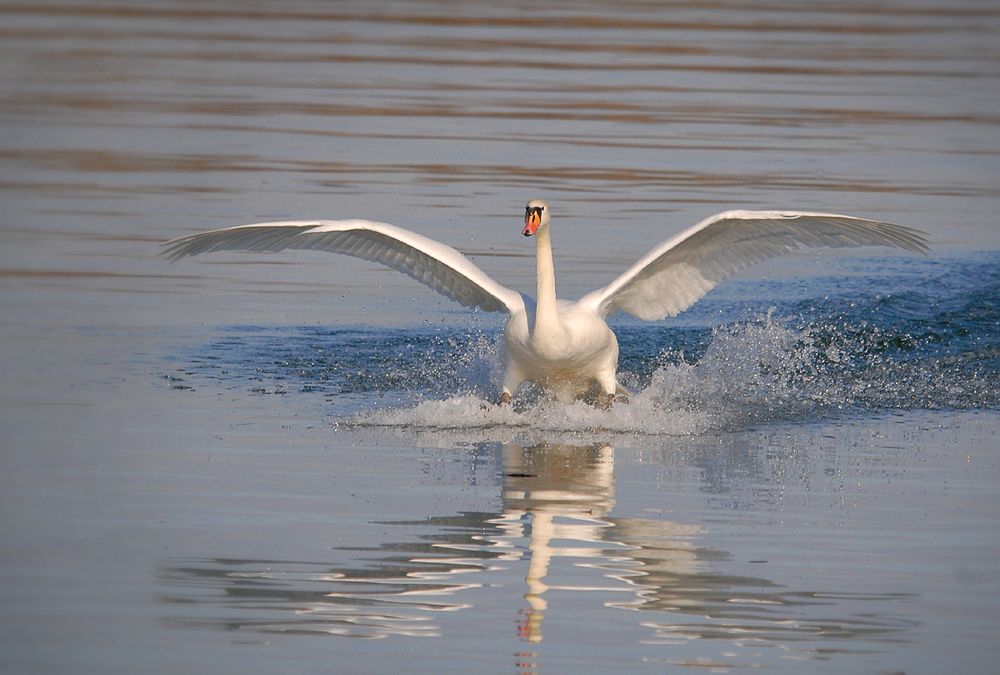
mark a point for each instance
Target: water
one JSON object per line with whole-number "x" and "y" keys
{"x": 236, "y": 463}
{"x": 859, "y": 349}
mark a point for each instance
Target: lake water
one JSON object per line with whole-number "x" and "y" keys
{"x": 257, "y": 464}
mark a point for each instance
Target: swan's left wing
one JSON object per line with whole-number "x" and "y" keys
{"x": 678, "y": 272}
{"x": 432, "y": 263}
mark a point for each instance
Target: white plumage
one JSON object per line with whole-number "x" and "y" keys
{"x": 567, "y": 347}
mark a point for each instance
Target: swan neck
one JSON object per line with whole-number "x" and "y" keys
{"x": 546, "y": 316}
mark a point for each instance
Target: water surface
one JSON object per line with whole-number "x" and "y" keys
{"x": 245, "y": 463}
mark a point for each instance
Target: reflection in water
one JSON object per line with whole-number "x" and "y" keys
{"x": 550, "y": 494}
{"x": 555, "y": 516}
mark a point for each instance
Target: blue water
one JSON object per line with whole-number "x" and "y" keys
{"x": 867, "y": 336}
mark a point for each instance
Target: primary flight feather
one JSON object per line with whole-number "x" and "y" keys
{"x": 563, "y": 346}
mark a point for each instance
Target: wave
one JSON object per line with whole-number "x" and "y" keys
{"x": 750, "y": 374}
{"x": 861, "y": 351}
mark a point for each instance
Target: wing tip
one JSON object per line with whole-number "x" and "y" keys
{"x": 894, "y": 235}
{"x": 174, "y": 249}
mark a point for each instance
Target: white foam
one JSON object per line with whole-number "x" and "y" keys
{"x": 750, "y": 373}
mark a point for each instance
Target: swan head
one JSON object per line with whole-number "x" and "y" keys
{"x": 536, "y": 215}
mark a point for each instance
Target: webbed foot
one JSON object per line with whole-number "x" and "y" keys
{"x": 606, "y": 400}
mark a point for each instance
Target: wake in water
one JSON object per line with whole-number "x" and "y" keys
{"x": 858, "y": 353}
{"x": 750, "y": 373}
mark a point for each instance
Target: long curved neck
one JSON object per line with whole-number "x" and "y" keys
{"x": 546, "y": 315}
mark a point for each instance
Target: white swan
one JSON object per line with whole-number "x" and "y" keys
{"x": 567, "y": 347}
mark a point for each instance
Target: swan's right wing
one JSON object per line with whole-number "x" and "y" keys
{"x": 678, "y": 272}
{"x": 432, "y": 263}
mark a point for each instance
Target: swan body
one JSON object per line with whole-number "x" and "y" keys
{"x": 566, "y": 362}
{"x": 567, "y": 347}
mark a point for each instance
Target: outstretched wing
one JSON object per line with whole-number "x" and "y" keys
{"x": 678, "y": 272}
{"x": 432, "y": 263}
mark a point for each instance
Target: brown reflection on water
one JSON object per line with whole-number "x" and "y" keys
{"x": 334, "y": 175}
{"x": 555, "y": 523}
{"x": 716, "y": 102}
{"x": 862, "y": 14}
{"x": 591, "y": 111}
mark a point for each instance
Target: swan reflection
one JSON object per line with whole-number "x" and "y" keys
{"x": 555, "y": 523}
{"x": 550, "y": 494}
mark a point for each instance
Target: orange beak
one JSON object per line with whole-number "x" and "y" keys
{"x": 532, "y": 219}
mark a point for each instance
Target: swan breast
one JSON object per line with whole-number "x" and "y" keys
{"x": 574, "y": 356}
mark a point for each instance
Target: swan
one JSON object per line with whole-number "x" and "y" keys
{"x": 563, "y": 346}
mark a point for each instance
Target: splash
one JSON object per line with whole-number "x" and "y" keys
{"x": 750, "y": 374}
{"x": 935, "y": 344}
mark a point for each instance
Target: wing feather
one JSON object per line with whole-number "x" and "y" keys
{"x": 680, "y": 271}
{"x": 432, "y": 263}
